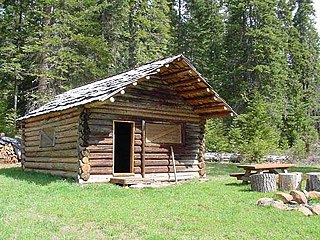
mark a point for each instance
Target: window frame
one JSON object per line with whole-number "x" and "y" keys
{"x": 182, "y": 132}
{"x": 43, "y": 133}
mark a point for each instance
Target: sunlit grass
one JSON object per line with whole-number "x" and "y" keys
{"x": 36, "y": 206}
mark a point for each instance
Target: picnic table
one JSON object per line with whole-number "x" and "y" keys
{"x": 260, "y": 168}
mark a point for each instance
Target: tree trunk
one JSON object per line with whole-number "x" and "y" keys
{"x": 265, "y": 182}
{"x": 313, "y": 181}
{"x": 289, "y": 181}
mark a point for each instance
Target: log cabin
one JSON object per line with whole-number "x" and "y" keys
{"x": 146, "y": 123}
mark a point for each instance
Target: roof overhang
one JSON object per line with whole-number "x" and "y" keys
{"x": 176, "y": 72}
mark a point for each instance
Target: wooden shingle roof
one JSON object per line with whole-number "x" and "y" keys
{"x": 177, "y": 72}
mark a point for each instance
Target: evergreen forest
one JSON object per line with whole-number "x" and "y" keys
{"x": 261, "y": 56}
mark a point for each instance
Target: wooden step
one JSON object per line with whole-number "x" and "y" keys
{"x": 126, "y": 181}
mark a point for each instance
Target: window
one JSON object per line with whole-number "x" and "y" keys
{"x": 47, "y": 137}
{"x": 164, "y": 133}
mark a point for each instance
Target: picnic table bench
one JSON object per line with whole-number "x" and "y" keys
{"x": 251, "y": 169}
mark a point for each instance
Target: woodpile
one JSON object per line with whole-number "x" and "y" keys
{"x": 7, "y": 154}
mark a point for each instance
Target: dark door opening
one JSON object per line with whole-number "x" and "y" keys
{"x": 123, "y": 147}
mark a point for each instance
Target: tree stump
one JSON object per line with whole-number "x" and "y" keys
{"x": 313, "y": 181}
{"x": 290, "y": 181}
{"x": 264, "y": 182}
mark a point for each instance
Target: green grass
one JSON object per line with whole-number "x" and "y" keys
{"x": 36, "y": 206}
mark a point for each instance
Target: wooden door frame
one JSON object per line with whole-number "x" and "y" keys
{"x": 131, "y": 151}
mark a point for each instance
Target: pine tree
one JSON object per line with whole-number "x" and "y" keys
{"x": 204, "y": 37}
{"x": 303, "y": 96}
{"x": 255, "y": 52}
{"x": 148, "y": 31}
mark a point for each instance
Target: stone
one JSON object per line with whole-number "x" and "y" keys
{"x": 299, "y": 197}
{"x": 279, "y": 205}
{"x": 285, "y": 197}
{"x": 316, "y": 209}
{"x": 265, "y": 202}
{"x": 293, "y": 202}
{"x": 314, "y": 194}
{"x": 306, "y": 211}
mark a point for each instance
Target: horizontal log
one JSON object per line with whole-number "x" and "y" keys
{"x": 222, "y": 114}
{"x": 101, "y": 122}
{"x": 107, "y": 156}
{"x": 72, "y": 131}
{"x": 53, "y": 116}
{"x": 190, "y": 163}
{"x": 196, "y": 101}
{"x": 154, "y": 107}
{"x": 108, "y": 117}
{"x": 63, "y": 146}
{"x": 100, "y": 170}
{"x": 57, "y": 141}
{"x": 180, "y": 73}
{"x": 186, "y": 82}
{"x": 164, "y": 101}
{"x": 168, "y": 169}
{"x": 53, "y": 160}
{"x": 202, "y": 92}
{"x": 107, "y": 141}
{"x": 53, "y": 154}
{"x": 56, "y": 124}
{"x": 101, "y": 163}
{"x": 54, "y": 172}
{"x": 211, "y": 110}
{"x": 148, "y": 109}
{"x": 71, "y": 167}
{"x": 157, "y": 156}
{"x": 151, "y": 114}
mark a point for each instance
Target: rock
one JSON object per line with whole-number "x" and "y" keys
{"x": 285, "y": 197}
{"x": 314, "y": 194}
{"x": 306, "y": 211}
{"x": 293, "y": 202}
{"x": 279, "y": 205}
{"x": 265, "y": 202}
{"x": 316, "y": 209}
{"x": 306, "y": 193}
{"x": 299, "y": 197}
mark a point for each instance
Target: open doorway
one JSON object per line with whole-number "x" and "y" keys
{"x": 123, "y": 146}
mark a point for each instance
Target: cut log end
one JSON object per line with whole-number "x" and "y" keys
{"x": 85, "y": 176}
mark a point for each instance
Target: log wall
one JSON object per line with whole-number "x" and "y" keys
{"x": 150, "y": 102}
{"x": 60, "y": 159}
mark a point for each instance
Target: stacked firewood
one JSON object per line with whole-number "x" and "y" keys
{"x": 7, "y": 153}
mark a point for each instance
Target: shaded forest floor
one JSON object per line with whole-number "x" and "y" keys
{"x": 36, "y": 206}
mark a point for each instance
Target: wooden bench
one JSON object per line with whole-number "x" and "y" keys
{"x": 237, "y": 175}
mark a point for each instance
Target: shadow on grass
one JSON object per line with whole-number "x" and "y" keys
{"x": 239, "y": 184}
{"x": 31, "y": 177}
{"x": 305, "y": 169}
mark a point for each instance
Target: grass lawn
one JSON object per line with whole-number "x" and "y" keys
{"x": 36, "y": 206}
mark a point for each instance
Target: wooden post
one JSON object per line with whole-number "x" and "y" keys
{"x": 313, "y": 181}
{"x": 143, "y": 149}
{"x": 174, "y": 164}
{"x": 263, "y": 182}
